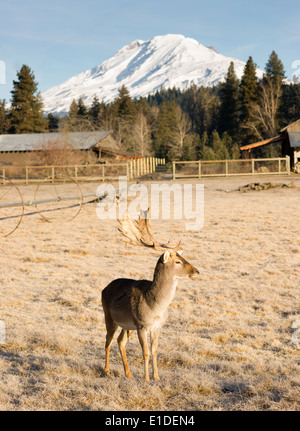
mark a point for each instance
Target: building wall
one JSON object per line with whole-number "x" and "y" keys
{"x": 32, "y": 158}
{"x": 296, "y": 155}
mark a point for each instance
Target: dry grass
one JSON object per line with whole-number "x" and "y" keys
{"x": 227, "y": 342}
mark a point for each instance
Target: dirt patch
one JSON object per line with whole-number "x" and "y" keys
{"x": 264, "y": 186}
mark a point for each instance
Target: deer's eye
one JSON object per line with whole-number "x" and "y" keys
{"x": 178, "y": 262}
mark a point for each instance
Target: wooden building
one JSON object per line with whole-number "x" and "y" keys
{"x": 289, "y": 137}
{"x": 19, "y": 149}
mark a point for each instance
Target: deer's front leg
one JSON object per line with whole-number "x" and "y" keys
{"x": 154, "y": 344}
{"x": 142, "y": 334}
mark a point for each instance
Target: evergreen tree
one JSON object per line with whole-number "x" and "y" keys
{"x": 96, "y": 111}
{"x": 229, "y": 103}
{"x": 290, "y": 104}
{"x": 73, "y": 110}
{"x": 124, "y": 105}
{"x": 81, "y": 108}
{"x": 165, "y": 126}
{"x": 202, "y": 106}
{"x": 227, "y": 142}
{"x": 69, "y": 123}
{"x": 265, "y": 119}
{"x": 52, "y": 122}
{"x": 208, "y": 153}
{"x": 274, "y": 69}
{"x": 3, "y": 118}
{"x": 26, "y": 113}
{"x": 249, "y": 93}
{"x": 218, "y": 146}
{"x": 248, "y": 90}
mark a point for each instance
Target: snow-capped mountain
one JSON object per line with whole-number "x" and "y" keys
{"x": 144, "y": 67}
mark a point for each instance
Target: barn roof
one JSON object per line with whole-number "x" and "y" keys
{"x": 292, "y": 130}
{"x": 293, "y": 127}
{"x": 261, "y": 143}
{"x": 32, "y": 141}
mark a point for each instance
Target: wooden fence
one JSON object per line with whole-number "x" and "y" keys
{"x": 227, "y": 168}
{"x": 100, "y": 172}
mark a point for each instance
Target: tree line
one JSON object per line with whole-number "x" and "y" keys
{"x": 197, "y": 123}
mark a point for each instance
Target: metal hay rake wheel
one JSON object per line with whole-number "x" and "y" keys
{"x": 53, "y": 202}
{"x": 11, "y": 207}
{"x": 58, "y": 202}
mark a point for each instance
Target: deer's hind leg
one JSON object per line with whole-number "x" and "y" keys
{"x": 122, "y": 340}
{"x": 111, "y": 328}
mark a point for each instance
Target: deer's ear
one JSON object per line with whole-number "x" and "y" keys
{"x": 166, "y": 256}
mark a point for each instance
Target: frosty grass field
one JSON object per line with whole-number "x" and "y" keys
{"x": 227, "y": 344}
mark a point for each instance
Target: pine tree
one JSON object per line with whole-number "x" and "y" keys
{"x": 73, "y": 112}
{"x": 69, "y": 123}
{"x": 248, "y": 90}
{"x": 165, "y": 126}
{"x": 26, "y": 113}
{"x": 290, "y": 104}
{"x": 203, "y": 147}
{"x": 52, "y": 122}
{"x": 95, "y": 112}
{"x": 274, "y": 69}
{"x": 265, "y": 119}
{"x": 124, "y": 105}
{"x": 229, "y": 103}
{"x": 249, "y": 93}
{"x": 81, "y": 108}
{"x": 219, "y": 147}
{"x": 3, "y": 118}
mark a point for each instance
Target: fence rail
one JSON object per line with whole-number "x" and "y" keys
{"x": 227, "y": 168}
{"x": 100, "y": 172}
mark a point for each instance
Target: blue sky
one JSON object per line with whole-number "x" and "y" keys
{"x": 61, "y": 38}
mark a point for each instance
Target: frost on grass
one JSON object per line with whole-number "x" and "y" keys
{"x": 227, "y": 344}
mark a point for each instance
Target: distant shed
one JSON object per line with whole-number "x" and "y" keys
{"x": 13, "y": 148}
{"x": 289, "y": 137}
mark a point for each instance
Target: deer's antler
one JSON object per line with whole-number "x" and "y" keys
{"x": 140, "y": 232}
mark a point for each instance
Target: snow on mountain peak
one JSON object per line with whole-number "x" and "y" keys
{"x": 144, "y": 67}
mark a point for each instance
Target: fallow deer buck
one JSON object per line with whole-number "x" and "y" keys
{"x": 142, "y": 305}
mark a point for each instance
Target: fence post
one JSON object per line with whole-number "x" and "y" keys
{"x": 279, "y": 166}
{"x": 226, "y": 168}
{"x": 131, "y": 172}
{"x": 288, "y": 166}
{"x": 252, "y": 163}
{"x": 52, "y": 168}
{"x": 199, "y": 168}
{"x": 26, "y": 174}
{"x": 3, "y": 173}
{"x": 174, "y": 175}
{"x": 127, "y": 172}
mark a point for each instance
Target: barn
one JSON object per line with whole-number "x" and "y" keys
{"x": 18, "y": 149}
{"x": 289, "y": 137}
